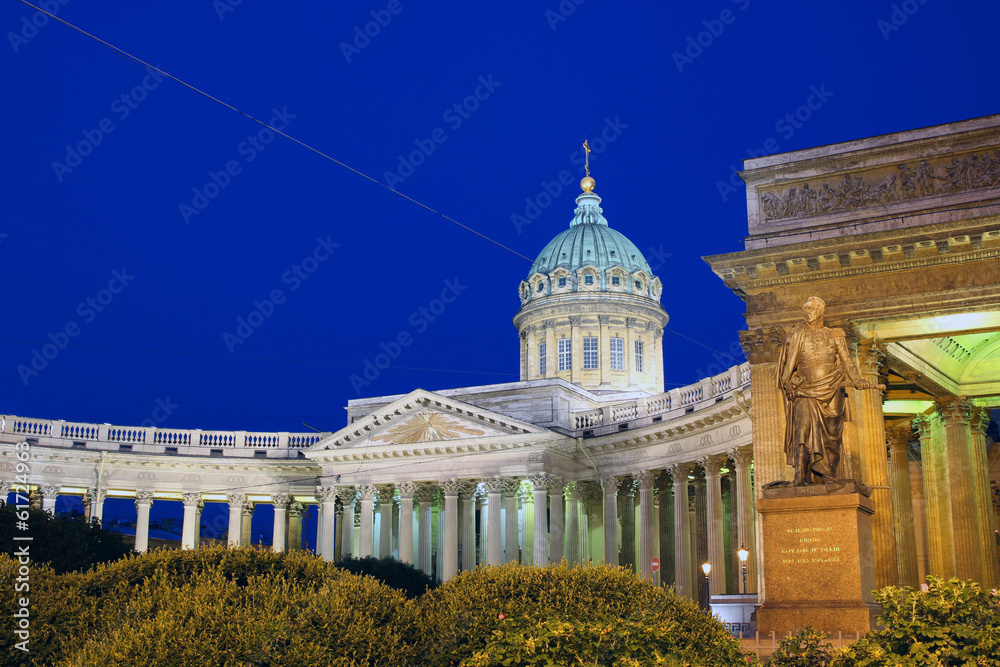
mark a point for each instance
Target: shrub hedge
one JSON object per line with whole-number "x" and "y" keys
{"x": 395, "y": 573}
{"x": 219, "y": 606}
{"x": 514, "y": 611}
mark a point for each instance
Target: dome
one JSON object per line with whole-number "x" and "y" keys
{"x": 589, "y": 242}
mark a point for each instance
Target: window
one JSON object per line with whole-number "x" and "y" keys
{"x": 590, "y": 352}
{"x": 541, "y": 286}
{"x": 565, "y": 354}
{"x": 617, "y": 354}
{"x": 541, "y": 359}
{"x": 588, "y": 279}
{"x": 616, "y": 280}
{"x": 638, "y": 356}
{"x": 638, "y": 284}
{"x": 562, "y": 282}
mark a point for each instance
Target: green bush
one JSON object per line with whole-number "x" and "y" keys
{"x": 65, "y": 543}
{"x": 392, "y": 572}
{"x": 212, "y": 606}
{"x": 952, "y": 623}
{"x": 558, "y": 613}
{"x": 806, "y": 648}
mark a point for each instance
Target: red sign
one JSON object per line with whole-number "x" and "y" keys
{"x": 656, "y": 563}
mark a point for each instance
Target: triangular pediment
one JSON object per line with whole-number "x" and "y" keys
{"x": 423, "y": 419}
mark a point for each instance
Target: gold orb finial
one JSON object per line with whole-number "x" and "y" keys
{"x": 587, "y": 184}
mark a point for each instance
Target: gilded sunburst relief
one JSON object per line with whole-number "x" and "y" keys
{"x": 426, "y": 426}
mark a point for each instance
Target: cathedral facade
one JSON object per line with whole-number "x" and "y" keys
{"x": 587, "y": 458}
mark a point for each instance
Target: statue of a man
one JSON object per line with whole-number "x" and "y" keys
{"x": 813, "y": 369}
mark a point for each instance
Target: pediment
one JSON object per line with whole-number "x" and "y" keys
{"x": 423, "y": 418}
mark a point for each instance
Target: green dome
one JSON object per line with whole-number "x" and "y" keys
{"x": 589, "y": 242}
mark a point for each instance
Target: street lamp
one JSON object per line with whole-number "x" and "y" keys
{"x": 707, "y": 568}
{"x": 743, "y": 554}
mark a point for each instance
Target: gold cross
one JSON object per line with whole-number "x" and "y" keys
{"x": 586, "y": 149}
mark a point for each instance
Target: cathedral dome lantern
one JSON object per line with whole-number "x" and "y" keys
{"x": 590, "y": 310}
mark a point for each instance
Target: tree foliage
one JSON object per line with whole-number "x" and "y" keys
{"x": 65, "y": 543}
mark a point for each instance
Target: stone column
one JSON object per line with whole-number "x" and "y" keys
{"x": 449, "y": 557}
{"x": 425, "y": 497}
{"x": 540, "y": 484}
{"x": 745, "y": 511}
{"x": 295, "y": 512}
{"x": 278, "y": 532}
{"x": 591, "y": 500}
{"x": 572, "y": 525}
{"x": 49, "y": 494}
{"x": 940, "y": 552}
{"x": 484, "y": 516}
{"x": 956, "y": 413}
{"x": 406, "y": 491}
{"x": 982, "y": 495}
{"x": 874, "y": 463}
{"x": 190, "y": 526}
{"x": 143, "y": 503}
{"x": 327, "y": 539}
{"x": 528, "y": 528}
{"x": 713, "y": 523}
{"x": 366, "y": 544}
{"x": 761, "y": 347}
{"x": 197, "y": 523}
{"x": 97, "y": 499}
{"x": 557, "y": 519}
{"x": 246, "y": 522}
{"x": 468, "y": 528}
{"x": 512, "y": 551}
{"x": 348, "y": 496}
{"x": 682, "y": 532}
{"x": 902, "y": 505}
{"x": 384, "y": 512}
{"x": 236, "y": 501}
{"x": 319, "y": 526}
{"x": 645, "y": 479}
{"x": 919, "y": 517}
{"x": 626, "y": 513}
{"x": 666, "y": 527}
{"x": 494, "y": 539}
{"x": 610, "y": 484}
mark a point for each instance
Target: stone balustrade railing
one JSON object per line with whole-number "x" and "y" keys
{"x": 682, "y": 399}
{"x": 108, "y": 437}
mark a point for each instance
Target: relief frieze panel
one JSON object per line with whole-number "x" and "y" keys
{"x": 883, "y": 185}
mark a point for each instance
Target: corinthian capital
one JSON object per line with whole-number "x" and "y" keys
{"x": 761, "y": 346}
{"x": 954, "y": 410}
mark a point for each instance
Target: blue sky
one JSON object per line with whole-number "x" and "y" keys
{"x": 188, "y": 270}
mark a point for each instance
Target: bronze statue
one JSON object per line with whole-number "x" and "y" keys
{"x": 813, "y": 369}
